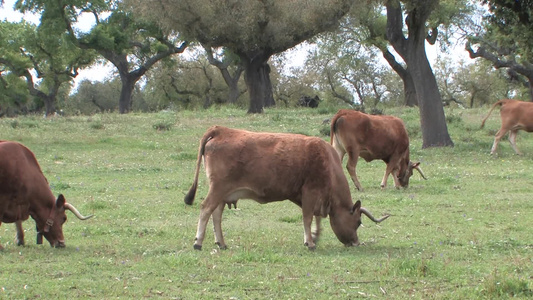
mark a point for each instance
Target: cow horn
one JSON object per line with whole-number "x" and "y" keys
{"x": 369, "y": 215}
{"x": 421, "y": 173}
{"x": 76, "y": 212}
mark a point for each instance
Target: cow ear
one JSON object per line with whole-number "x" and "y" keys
{"x": 415, "y": 164}
{"x": 356, "y": 207}
{"x": 60, "y": 202}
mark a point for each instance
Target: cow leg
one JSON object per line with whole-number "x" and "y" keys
{"x": 497, "y": 139}
{"x": 207, "y": 208}
{"x": 20, "y": 233}
{"x": 512, "y": 140}
{"x": 351, "y": 165}
{"x": 217, "y": 225}
{"x": 309, "y": 198}
{"x": 389, "y": 170}
{"x": 316, "y": 234}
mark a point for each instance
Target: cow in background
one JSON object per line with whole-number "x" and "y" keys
{"x": 24, "y": 192}
{"x": 515, "y": 115}
{"x": 268, "y": 167}
{"x": 373, "y": 137}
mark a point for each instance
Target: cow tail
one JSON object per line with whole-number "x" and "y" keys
{"x": 490, "y": 111}
{"x": 334, "y": 127}
{"x": 189, "y": 198}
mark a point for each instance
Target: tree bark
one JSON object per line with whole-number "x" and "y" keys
{"x": 126, "y": 92}
{"x": 257, "y": 78}
{"x": 408, "y": 84}
{"x": 412, "y": 50}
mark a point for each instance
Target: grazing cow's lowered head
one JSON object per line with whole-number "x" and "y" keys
{"x": 24, "y": 192}
{"x": 268, "y": 167}
{"x": 515, "y": 115}
{"x": 373, "y": 137}
{"x": 52, "y": 229}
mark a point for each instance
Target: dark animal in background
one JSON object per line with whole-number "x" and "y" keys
{"x": 373, "y": 137}
{"x": 24, "y": 192}
{"x": 268, "y": 167}
{"x": 515, "y": 115}
{"x": 307, "y": 101}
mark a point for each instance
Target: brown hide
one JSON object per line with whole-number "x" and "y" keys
{"x": 515, "y": 115}
{"x": 373, "y": 137}
{"x": 24, "y": 192}
{"x": 269, "y": 167}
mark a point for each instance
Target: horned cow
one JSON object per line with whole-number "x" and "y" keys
{"x": 268, "y": 167}
{"x": 373, "y": 137}
{"x": 515, "y": 115}
{"x": 24, "y": 192}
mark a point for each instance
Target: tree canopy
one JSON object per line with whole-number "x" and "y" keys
{"x": 254, "y": 30}
{"x": 506, "y": 39}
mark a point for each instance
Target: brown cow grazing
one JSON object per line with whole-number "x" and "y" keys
{"x": 268, "y": 167}
{"x": 515, "y": 115}
{"x": 373, "y": 137}
{"x": 24, "y": 192}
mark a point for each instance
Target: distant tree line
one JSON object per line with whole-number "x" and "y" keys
{"x": 362, "y": 54}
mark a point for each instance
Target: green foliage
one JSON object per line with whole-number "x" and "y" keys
{"x": 462, "y": 234}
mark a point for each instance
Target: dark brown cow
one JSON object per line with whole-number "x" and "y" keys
{"x": 24, "y": 192}
{"x": 373, "y": 137}
{"x": 516, "y": 115}
{"x": 268, "y": 167}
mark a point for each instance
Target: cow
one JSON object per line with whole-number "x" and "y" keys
{"x": 515, "y": 115}
{"x": 373, "y": 137}
{"x": 268, "y": 167}
{"x": 24, "y": 192}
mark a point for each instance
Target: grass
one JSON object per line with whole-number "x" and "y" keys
{"x": 464, "y": 233}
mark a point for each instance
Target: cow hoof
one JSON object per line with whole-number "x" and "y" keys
{"x": 311, "y": 248}
{"x": 221, "y": 247}
{"x": 197, "y": 247}
{"x": 20, "y": 243}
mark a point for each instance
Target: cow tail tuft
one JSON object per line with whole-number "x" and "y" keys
{"x": 490, "y": 111}
{"x": 189, "y": 198}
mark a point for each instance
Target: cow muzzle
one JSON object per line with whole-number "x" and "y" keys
{"x": 58, "y": 244}
{"x": 353, "y": 244}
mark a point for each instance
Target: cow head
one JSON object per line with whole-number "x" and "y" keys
{"x": 406, "y": 171}
{"x": 52, "y": 229}
{"x": 345, "y": 224}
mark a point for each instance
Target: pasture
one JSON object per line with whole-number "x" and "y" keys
{"x": 464, "y": 233}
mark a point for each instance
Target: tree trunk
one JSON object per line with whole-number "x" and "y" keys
{"x": 49, "y": 104}
{"x": 257, "y": 78}
{"x": 432, "y": 118}
{"x": 409, "y": 90}
{"x": 126, "y": 92}
{"x": 412, "y": 49}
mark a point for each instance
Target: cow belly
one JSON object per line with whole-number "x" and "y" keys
{"x": 247, "y": 193}
{"x": 15, "y": 213}
{"x": 366, "y": 155}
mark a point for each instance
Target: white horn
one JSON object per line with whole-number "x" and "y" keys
{"x": 76, "y": 212}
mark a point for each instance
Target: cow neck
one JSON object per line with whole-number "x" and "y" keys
{"x": 49, "y": 221}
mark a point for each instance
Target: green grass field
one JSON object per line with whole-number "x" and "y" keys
{"x": 465, "y": 233}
